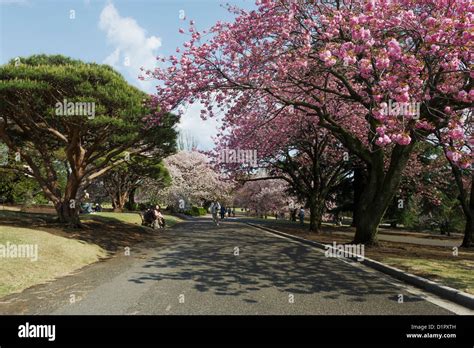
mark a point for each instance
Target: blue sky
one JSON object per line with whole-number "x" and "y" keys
{"x": 126, "y": 34}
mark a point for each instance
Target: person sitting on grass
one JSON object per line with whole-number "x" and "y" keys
{"x": 159, "y": 216}
{"x": 86, "y": 208}
{"x": 97, "y": 208}
{"x": 154, "y": 218}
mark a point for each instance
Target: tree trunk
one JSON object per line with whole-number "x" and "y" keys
{"x": 379, "y": 192}
{"x": 358, "y": 185}
{"x": 68, "y": 212}
{"x": 316, "y": 211}
{"x": 367, "y": 225}
{"x": 467, "y": 204}
{"x": 118, "y": 201}
{"x": 131, "y": 198}
{"x": 68, "y": 207}
{"x": 468, "y": 241}
{"x": 372, "y": 207}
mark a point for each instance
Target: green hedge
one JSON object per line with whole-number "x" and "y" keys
{"x": 196, "y": 211}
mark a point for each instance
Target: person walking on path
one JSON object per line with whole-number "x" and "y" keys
{"x": 223, "y": 210}
{"x": 215, "y": 208}
{"x": 301, "y": 215}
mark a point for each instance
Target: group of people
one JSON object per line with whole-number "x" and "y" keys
{"x": 153, "y": 218}
{"x": 88, "y": 208}
{"x": 216, "y": 208}
{"x": 300, "y": 214}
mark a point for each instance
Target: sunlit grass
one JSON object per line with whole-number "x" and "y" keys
{"x": 57, "y": 256}
{"x": 458, "y": 274}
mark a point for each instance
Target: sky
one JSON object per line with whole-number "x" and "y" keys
{"x": 126, "y": 34}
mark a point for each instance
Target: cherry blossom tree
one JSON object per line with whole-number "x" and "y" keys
{"x": 194, "y": 181}
{"x": 296, "y": 150}
{"x": 263, "y": 197}
{"x": 339, "y": 60}
{"x": 449, "y": 139}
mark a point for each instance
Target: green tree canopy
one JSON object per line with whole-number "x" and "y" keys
{"x": 85, "y": 116}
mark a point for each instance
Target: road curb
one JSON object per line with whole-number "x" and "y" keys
{"x": 445, "y": 292}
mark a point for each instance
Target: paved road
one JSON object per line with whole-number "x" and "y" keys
{"x": 194, "y": 269}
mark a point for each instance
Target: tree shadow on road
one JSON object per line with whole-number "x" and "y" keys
{"x": 205, "y": 254}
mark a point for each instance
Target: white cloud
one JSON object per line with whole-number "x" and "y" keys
{"x": 113, "y": 58}
{"x": 133, "y": 49}
{"x": 203, "y": 131}
{"x": 129, "y": 40}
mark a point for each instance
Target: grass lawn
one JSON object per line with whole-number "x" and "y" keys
{"x": 62, "y": 250}
{"x": 57, "y": 256}
{"x": 458, "y": 274}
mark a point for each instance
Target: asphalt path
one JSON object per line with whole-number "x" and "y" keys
{"x": 199, "y": 268}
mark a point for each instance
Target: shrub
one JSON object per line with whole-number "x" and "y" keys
{"x": 196, "y": 211}
{"x": 143, "y": 206}
{"x": 131, "y": 206}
